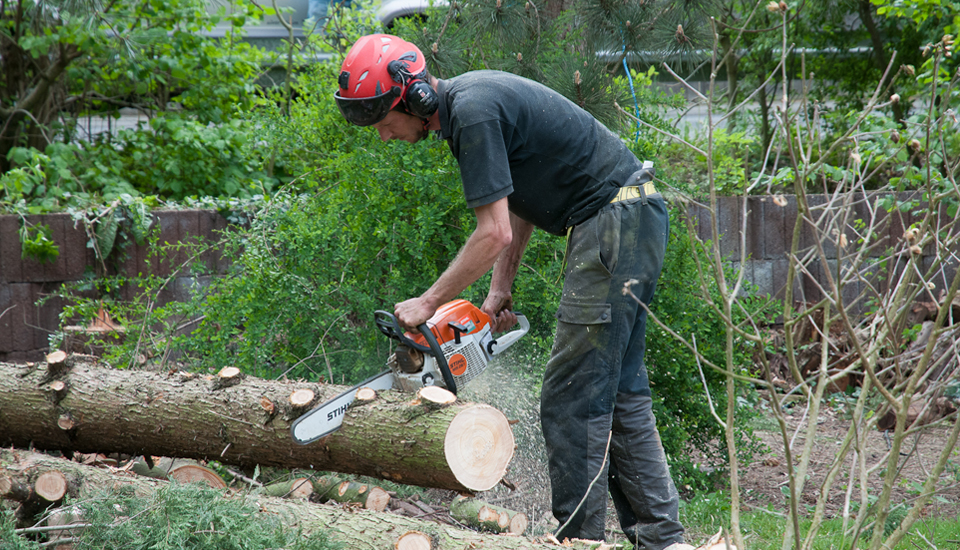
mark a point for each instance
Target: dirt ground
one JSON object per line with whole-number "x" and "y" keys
{"x": 762, "y": 481}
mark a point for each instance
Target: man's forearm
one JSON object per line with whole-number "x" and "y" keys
{"x": 508, "y": 262}
{"x": 485, "y": 245}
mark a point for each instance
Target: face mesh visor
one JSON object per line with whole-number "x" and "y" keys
{"x": 366, "y": 110}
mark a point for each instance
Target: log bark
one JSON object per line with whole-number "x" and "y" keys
{"x": 487, "y": 517}
{"x": 352, "y": 528}
{"x": 463, "y": 447}
{"x": 299, "y": 488}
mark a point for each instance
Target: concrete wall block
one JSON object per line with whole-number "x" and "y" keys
{"x": 57, "y": 270}
{"x": 11, "y": 267}
{"x": 763, "y": 277}
{"x": 48, "y": 315}
{"x": 170, "y": 257}
{"x": 778, "y": 269}
{"x": 754, "y": 227}
{"x": 814, "y": 223}
{"x": 220, "y": 227}
{"x": 188, "y": 226}
{"x": 78, "y": 256}
{"x": 22, "y": 316}
{"x": 32, "y": 268}
{"x": 728, "y": 219}
{"x": 809, "y": 282}
{"x": 774, "y": 233}
{"x": 6, "y": 318}
{"x": 206, "y": 222}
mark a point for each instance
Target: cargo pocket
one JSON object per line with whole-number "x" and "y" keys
{"x": 583, "y": 314}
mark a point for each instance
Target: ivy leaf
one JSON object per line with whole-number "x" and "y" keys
{"x": 140, "y": 214}
{"x": 107, "y": 234}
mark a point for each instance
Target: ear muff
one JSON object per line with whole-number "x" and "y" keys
{"x": 418, "y": 97}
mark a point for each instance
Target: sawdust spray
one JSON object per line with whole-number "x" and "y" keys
{"x": 511, "y": 384}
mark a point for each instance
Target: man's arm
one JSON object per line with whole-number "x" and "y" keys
{"x": 500, "y": 300}
{"x": 492, "y": 235}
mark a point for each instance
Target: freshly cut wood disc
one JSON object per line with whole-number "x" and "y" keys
{"x": 51, "y": 486}
{"x": 366, "y": 394}
{"x": 229, "y": 372}
{"x": 56, "y": 358}
{"x": 436, "y": 395}
{"x": 377, "y": 499}
{"x": 413, "y": 540}
{"x": 301, "y": 488}
{"x": 478, "y": 447}
{"x": 193, "y": 473}
{"x": 302, "y": 397}
{"x": 518, "y": 524}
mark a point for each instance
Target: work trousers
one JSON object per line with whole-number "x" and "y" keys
{"x": 596, "y": 409}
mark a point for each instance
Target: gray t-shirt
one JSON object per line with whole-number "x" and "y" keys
{"x": 516, "y": 138}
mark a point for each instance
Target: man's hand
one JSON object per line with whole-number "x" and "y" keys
{"x": 413, "y": 312}
{"x": 498, "y": 306}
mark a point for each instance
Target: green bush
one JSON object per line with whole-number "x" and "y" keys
{"x": 9, "y": 540}
{"x": 681, "y": 406}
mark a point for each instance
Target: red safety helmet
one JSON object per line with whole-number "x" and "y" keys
{"x": 378, "y": 72}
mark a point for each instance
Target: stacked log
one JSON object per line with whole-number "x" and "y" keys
{"x": 245, "y": 421}
{"x": 356, "y": 528}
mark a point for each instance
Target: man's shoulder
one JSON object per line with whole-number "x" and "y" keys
{"x": 476, "y": 96}
{"x": 488, "y": 77}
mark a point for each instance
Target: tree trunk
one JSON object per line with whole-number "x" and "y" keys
{"x": 461, "y": 447}
{"x": 880, "y": 57}
{"x": 356, "y": 529}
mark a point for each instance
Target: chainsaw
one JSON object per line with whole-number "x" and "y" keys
{"x": 453, "y": 347}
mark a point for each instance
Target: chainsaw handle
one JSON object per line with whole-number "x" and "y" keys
{"x": 437, "y": 353}
{"x": 388, "y": 325}
{"x": 507, "y": 340}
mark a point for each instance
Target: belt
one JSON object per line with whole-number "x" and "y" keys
{"x": 634, "y": 191}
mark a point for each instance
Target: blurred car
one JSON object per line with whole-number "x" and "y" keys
{"x": 391, "y": 10}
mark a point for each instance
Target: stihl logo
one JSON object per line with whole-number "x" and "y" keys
{"x": 337, "y": 412}
{"x": 457, "y": 364}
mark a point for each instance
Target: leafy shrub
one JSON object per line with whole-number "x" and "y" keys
{"x": 682, "y": 410}
{"x": 9, "y": 540}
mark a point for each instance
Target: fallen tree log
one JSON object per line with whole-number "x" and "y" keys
{"x": 353, "y": 528}
{"x": 461, "y": 446}
{"x": 487, "y": 517}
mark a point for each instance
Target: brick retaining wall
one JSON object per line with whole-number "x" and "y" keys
{"x": 25, "y": 327}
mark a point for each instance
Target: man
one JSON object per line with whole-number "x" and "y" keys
{"x": 529, "y": 157}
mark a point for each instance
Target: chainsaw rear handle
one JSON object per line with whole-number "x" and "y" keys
{"x": 495, "y": 347}
{"x": 388, "y": 325}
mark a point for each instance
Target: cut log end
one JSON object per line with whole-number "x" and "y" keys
{"x": 228, "y": 372}
{"x": 227, "y": 377}
{"x": 66, "y": 422}
{"x": 366, "y": 395}
{"x": 478, "y": 447}
{"x": 435, "y": 396}
{"x": 301, "y": 488}
{"x": 56, "y": 359}
{"x": 377, "y": 500}
{"x": 302, "y": 398}
{"x": 51, "y": 486}
{"x": 518, "y": 524}
{"x": 193, "y": 473}
{"x": 413, "y": 540}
